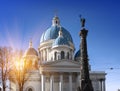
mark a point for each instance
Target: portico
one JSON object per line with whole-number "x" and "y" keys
{"x": 57, "y": 80}
{"x": 59, "y": 77}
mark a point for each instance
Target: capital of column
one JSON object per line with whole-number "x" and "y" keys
{"x": 102, "y": 79}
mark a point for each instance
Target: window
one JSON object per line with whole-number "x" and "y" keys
{"x": 55, "y": 56}
{"x": 67, "y": 55}
{"x": 30, "y": 89}
{"x": 56, "y": 22}
{"x": 62, "y": 55}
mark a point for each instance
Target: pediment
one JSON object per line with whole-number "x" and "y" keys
{"x": 63, "y": 63}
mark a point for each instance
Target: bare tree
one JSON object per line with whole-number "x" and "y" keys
{"x": 19, "y": 73}
{"x": 13, "y": 67}
{"x": 5, "y": 64}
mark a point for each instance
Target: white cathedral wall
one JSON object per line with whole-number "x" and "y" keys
{"x": 59, "y": 49}
{"x": 35, "y": 85}
{"x": 47, "y": 52}
{"x": 33, "y": 81}
{"x": 13, "y": 86}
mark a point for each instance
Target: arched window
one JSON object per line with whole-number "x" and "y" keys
{"x": 67, "y": 55}
{"x": 30, "y": 89}
{"x": 56, "y": 22}
{"x": 55, "y": 56}
{"x": 62, "y": 55}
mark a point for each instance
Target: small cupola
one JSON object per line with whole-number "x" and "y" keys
{"x": 31, "y": 51}
{"x": 30, "y": 44}
{"x": 55, "y": 21}
{"x": 60, "y": 40}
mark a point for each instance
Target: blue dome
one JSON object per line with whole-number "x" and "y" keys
{"x": 77, "y": 55}
{"x": 60, "y": 41}
{"x": 52, "y": 33}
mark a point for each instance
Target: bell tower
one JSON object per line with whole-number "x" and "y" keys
{"x": 85, "y": 82}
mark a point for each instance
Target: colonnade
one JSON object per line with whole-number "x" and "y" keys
{"x": 61, "y": 82}
{"x": 102, "y": 84}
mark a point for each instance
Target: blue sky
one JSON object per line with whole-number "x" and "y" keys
{"x": 22, "y": 20}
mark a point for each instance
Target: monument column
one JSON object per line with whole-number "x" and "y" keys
{"x": 85, "y": 82}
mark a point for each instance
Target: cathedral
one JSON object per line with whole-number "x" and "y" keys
{"x": 55, "y": 66}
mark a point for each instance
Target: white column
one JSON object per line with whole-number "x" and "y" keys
{"x": 72, "y": 56}
{"x": 43, "y": 82}
{"x": 47, "y": 55}
{"x": 51, "y": 83}
{"x": 103, "y": 85}
{"x": 77, "y": 81}
{"x": 70, "y": 82}
{"x": 61, "y": 83}
{"x": 41, "y": 56}
{"x": 100, "y": 84}
{"x": 59, "y": 56}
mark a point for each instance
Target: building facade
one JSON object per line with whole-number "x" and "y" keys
{"x": 55, "y": 66}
